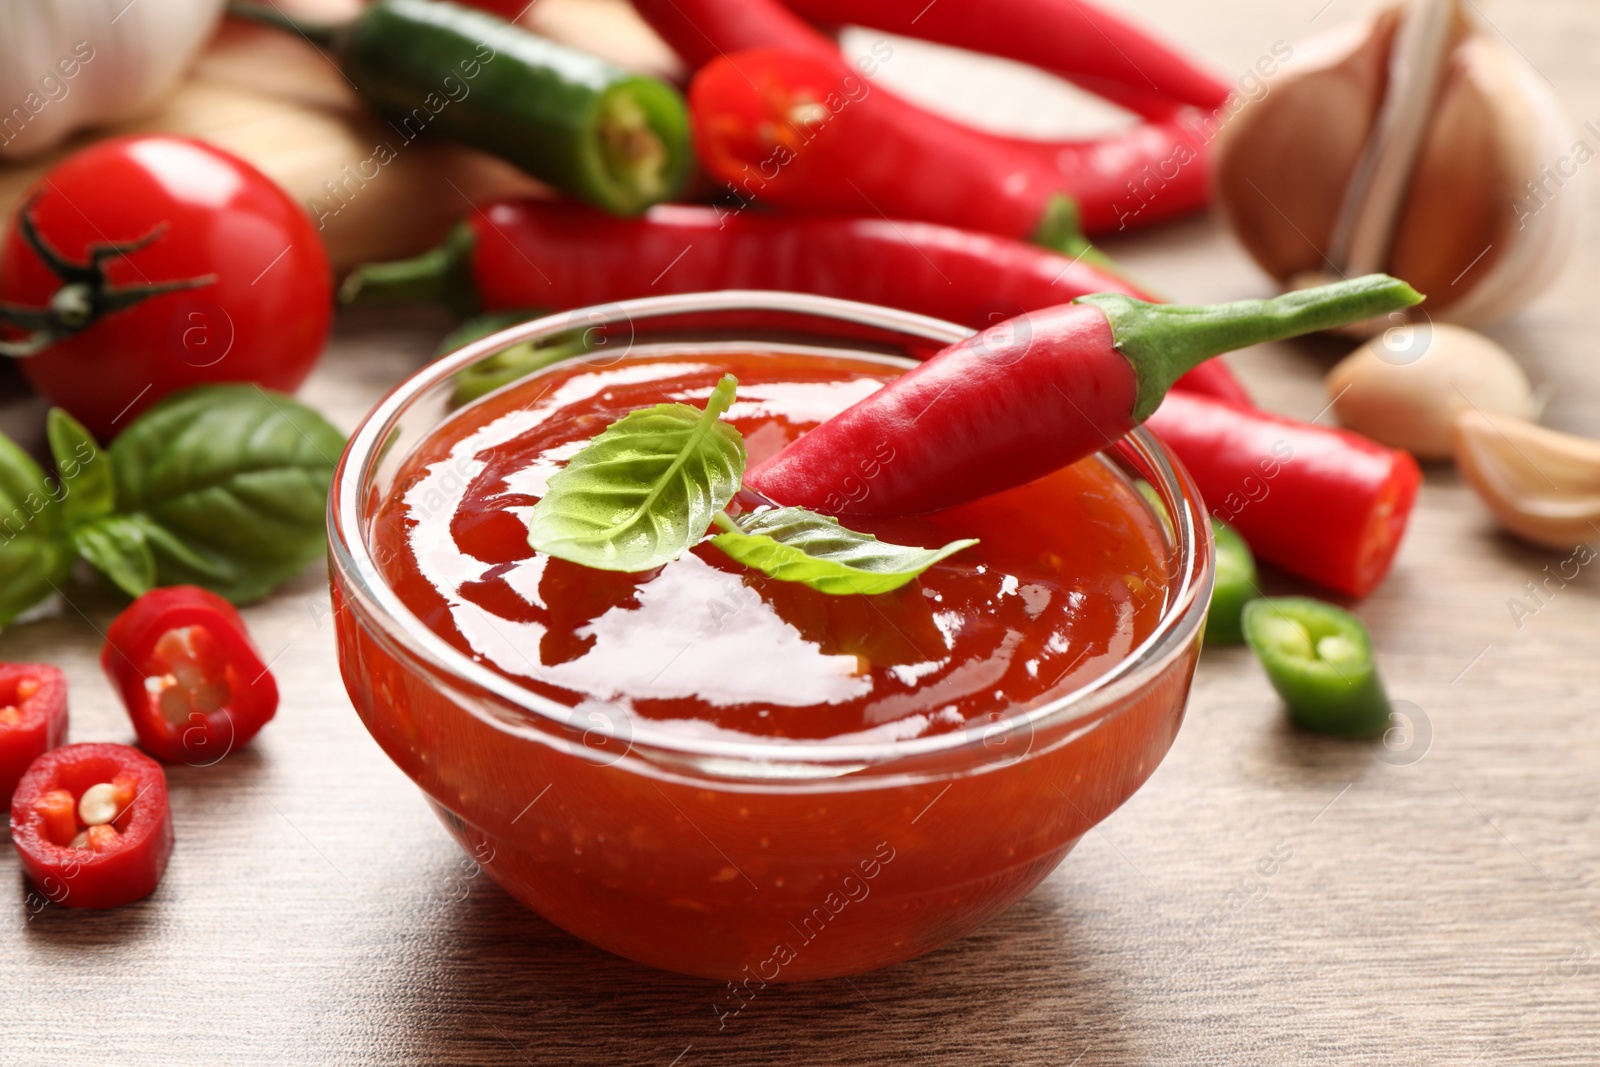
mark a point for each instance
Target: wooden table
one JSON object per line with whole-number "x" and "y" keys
{"x": 1438, "y": 906}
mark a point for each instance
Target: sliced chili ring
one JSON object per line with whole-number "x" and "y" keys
{"x": 1235, "y": 586}
{"x": 194, "y": 684}
{"x": 33, "y": 717}
{"x": 1319, "y": 659}
{"x": 93, "y": 825}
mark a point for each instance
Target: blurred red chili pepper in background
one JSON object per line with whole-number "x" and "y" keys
{"x": 1091, "y": 47}
{"x": 522, "y": 254}
{"x": 806, "y": 133}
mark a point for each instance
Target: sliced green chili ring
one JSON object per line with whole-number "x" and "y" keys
{"x": 514, "y": 364}
{"x": 481, "y": 326}
{"x": 1319, "y": 659}
{"x": 1235, "y": 586}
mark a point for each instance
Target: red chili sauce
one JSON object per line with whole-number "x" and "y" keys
{"x": 1067, "y": 579}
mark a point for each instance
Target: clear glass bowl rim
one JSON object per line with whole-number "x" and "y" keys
{"x": 386, "y": 617}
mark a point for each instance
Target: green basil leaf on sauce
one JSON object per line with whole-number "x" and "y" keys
{"x": 34, "y": 556}
{"x": 796, "y": 545}
{"x": 644, "y": 490}
{"x": 85, "y": 472}
{"x": 228, "y": 485}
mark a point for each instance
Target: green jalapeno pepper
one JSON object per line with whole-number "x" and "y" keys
{"x": 1319, "y": 659}
{"x": 1235, "y": 586}
{"x": 615, "y": 139}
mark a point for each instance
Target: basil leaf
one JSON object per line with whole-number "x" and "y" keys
{"x": 34, "y": 557}
{"x": 84, "y": 471}
{"x": 645, "y": 489}
{"x": 796, "y": 545}
{"x": 229, "y": 485}
{"x": 116, "y": 546}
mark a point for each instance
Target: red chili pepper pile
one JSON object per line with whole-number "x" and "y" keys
{"x": 807, "y": 133}
{"x": 782, "y": 118}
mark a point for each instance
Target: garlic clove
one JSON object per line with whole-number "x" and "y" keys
{"x": 1407, "y": 387}
{"x": 1542, "y": 485}
{"x": 1519, "y": 242}
{"x": 1428, "y": 33}
{"x": 1282, "y": 163}
{"x": 1447, "y": 167}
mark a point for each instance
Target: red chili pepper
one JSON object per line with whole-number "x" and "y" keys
{"x": 193, "y": 682}
{"x": 1325, "y": 504}
{"x": 1088, "y": 45}
{"x": 806, "y": 133}
{"x": 517, "y": 254}
{"x": 33, "y": 717}
{"x": 1033, "y": 394}
{"x": 513, "y": 255}
{"x": 701, "y": 30}
{"x": 93, "y": 825}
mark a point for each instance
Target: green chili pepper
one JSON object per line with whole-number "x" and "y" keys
{"x": 616, "y": 139}
{"x": 1319, "y": 659}
{"x": 514, "y": 364}
{"x": 481, "y": 326}
{"x": 1235, "y": 586}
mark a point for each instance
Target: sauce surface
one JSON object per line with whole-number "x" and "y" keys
{"x": 1069, "y": 575}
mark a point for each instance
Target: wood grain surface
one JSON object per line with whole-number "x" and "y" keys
{"x": 1433, "y": 904}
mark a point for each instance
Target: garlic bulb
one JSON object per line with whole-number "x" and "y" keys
{"x": 1418, "y": 144}
{"x": 1407, "y": 387}
{"x": 69, "y": 64}
{"x": 1543, "y": 486}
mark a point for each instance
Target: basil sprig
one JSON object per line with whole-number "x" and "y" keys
{"x": 644, "y": 491}
{"x": 221, "y": 486}
{"x": 34, "y": 557}
{"x": 796, "y": 545}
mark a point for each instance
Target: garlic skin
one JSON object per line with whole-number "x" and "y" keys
{"x": 1465, "y": 228}
{"x": 123, "y": 59}
{"x": 1407, "y": 387}
{"x": 1542, "y": 485}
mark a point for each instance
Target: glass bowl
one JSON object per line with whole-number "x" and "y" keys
{"x": 752, "y": 862}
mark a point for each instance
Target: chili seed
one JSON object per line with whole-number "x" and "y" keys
{"x": 98, "y": 805}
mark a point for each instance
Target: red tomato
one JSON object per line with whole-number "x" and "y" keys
{"x": 216, "y": 275}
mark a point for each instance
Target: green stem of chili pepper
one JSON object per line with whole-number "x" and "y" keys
{"x": 441, "y": 275}
{"x": 1163, "y": 341}
{"x": 1319, "y": 659}
{"x": 1235, "y": 586}
{"x": 616, "y": 139}
{"x": 1061, "y": 230}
